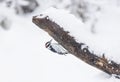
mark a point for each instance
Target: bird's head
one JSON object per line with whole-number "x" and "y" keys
{"x": 47, "y": 44}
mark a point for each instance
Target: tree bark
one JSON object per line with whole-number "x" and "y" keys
{"x": 75, "y": 48}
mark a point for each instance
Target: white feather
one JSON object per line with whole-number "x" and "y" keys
{"x": 59, "y": 48}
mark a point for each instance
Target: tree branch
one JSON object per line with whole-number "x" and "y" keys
{"x": 75, "y": 48}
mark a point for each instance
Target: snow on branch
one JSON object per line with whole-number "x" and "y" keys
{"x": 73, "y": 39}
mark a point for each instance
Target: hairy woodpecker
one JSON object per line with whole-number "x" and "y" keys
{"x": 56, "y": 48}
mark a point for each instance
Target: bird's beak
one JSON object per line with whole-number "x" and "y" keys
{"x": 50, "y": 40}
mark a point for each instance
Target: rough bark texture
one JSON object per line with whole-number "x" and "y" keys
{"x": 73, "y": 47}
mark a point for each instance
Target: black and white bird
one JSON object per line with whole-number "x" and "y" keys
{"x": 56, "y": 48}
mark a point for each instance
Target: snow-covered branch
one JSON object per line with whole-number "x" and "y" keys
{"x": 78, "y": 49}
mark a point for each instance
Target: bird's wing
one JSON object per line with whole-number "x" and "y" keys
{"x": 59, "y": 48}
